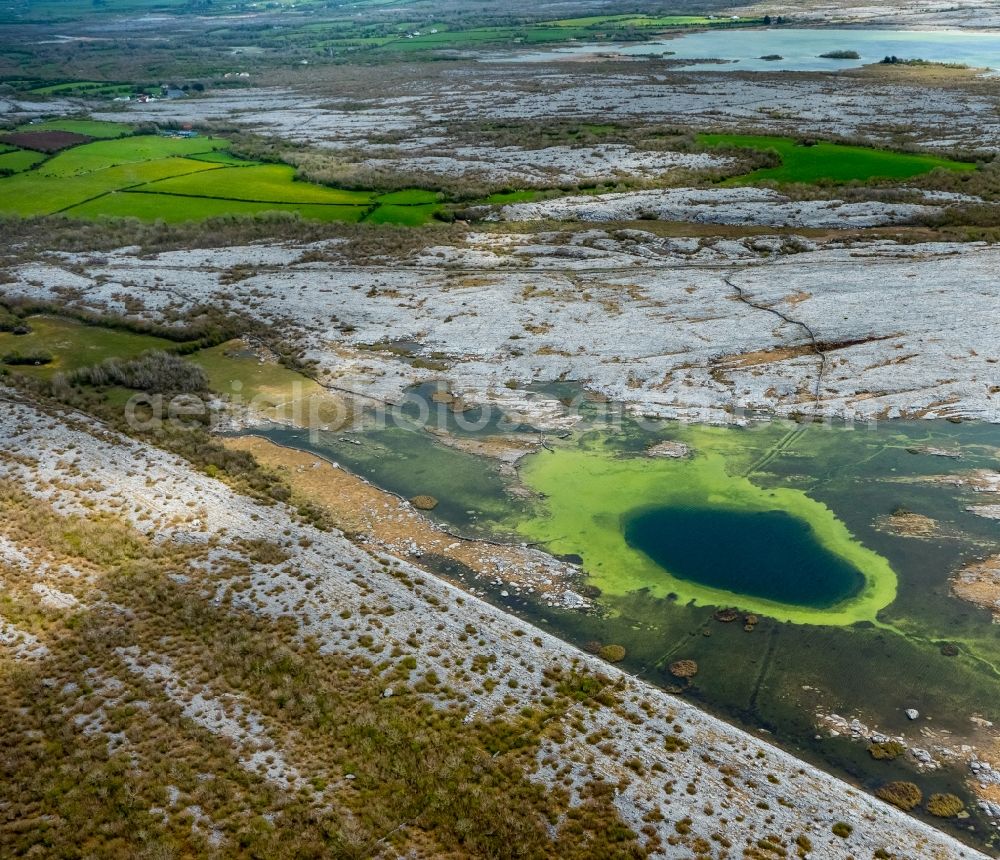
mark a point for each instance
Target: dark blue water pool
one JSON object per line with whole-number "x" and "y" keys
{"x": 768, "y": 554}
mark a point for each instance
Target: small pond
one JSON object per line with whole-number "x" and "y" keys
{"x": 768, "y": 554}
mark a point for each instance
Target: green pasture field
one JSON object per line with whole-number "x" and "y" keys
{"x": 20, "y": 159}
{"x": 356, "y": 42}
{"x": 264, "y": 183}
{"x": 172, "y": 209}
{"x": 643, "y": 21}
{"x": 90, "y": 88}
{"x": 230, "y": 362}
{"x": 89, "y": 127}
{"x": 554, "y": 31}
{"x": 409, "y": 216}
{"x": 233, "y": 371}
{"x": 50, "y": 89}
{"x": 101, "y": 154}
{"x": 74, "y": 345}
{"x": 408, "y": 197}
{"x": 153, "y": 177}
{"x": 269, "y": 388}
{"x": 528, "y": 34}
{"x": 221, "y": 156}
{"x": 523, "y": 195}
{"x": 34, "y": 193}
{"x": 829, "y": 162}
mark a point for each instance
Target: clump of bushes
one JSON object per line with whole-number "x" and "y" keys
{"x": 582, "y": 686}
{"x": 154, "y": 371}
{"x": 842, "y": 829}
{"x": 886, "y": 750}
{"x": 945, "y": 805}
{"x": 265, "y": 552}
{"x": 673, "y": 744}
{"x": 12, "y": 323}
{"x": 35, "y": 357}
{"x": 905, "y": 795}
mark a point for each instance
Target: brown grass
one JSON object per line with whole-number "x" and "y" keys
{"x": 365, "y": 511}
{"x": 424, "y": 780}
{"x": 923, "y": 75}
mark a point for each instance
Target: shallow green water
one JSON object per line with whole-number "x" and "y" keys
{"x": 868, "y": 654}
{"x": 768, "y": 554}
{"x": 408, "y": 462}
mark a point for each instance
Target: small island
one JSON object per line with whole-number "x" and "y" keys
{"x": 841, "y": 55}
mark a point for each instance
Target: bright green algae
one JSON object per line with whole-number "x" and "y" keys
{"x": 588, "y": 490}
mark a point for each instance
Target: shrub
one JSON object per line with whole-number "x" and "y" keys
{"x": 770, "y": 157}
{"x": 154, "y": 371}
{"x": 12, "y": 322}
{"x": 842, "y": 829}
{"x": 37, "y": 357}
{"x": 673, "y": 744}
{"x": 265, "y": 552}
{"x": 905, "y": 795}
{"x": 944, "y": 805}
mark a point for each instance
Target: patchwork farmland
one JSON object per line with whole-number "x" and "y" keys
{"x": 89, "y": 169}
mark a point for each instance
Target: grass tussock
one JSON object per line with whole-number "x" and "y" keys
{"x": 945, "y": 805}
{"x": 905, "y": 795}
{"x": 886, "y": 750}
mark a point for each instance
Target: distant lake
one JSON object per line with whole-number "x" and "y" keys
{"x": 800, "y": 49}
